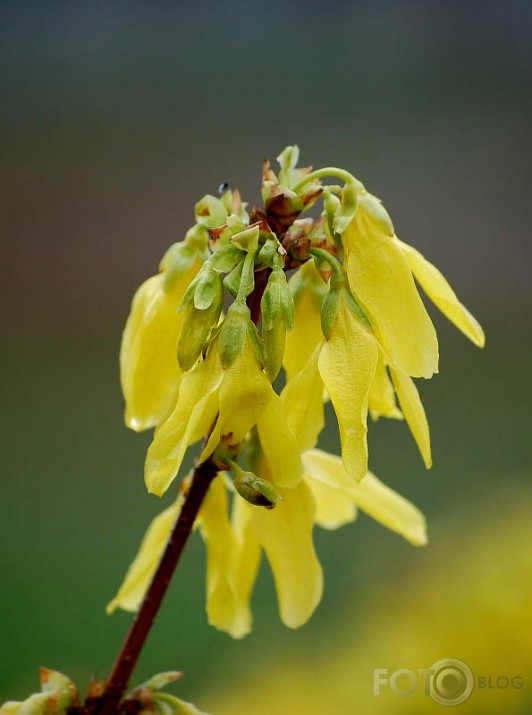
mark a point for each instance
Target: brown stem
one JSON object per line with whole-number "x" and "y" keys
{"x": 144, "y": 619}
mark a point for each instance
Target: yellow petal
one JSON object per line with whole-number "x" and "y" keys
{"x": 279, "y": 445}
{"x": 333, "y": 508}
{"x": 244, "y": 394}
{"x": 302, "y": 398}
{"x": 192, "y": 418}
{"x": 139, "y": 574}
{"x": 391, "y": 509}
{"x": 371, "y": 495}
{"x": 285, "y": 534}
{"x": 225, "y": 609}
{"x": 441, "y": 293}
{"x": 247, "y": 552}
{"x": 381, "y": 280}
{"x": 302, "y": 341}
{"x": 414, "y": 413}
{"x": 381, "y": 395}
{"x": 149, "y": 370}
{"x": 347, "y": 365}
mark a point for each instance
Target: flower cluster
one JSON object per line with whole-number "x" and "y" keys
{"x": 333, "y": 303}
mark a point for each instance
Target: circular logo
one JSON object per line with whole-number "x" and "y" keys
{"x": 452, "y": 681}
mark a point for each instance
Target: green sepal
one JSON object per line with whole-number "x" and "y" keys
{"x": 176, "y": 261}
{"x": 348, "y": 207}
{"x": 233, "y": 333}
{"x": 329, "y": 312}
{"x": 274, "y": 341}
{"x": 233, "y": 278}
{"x": 378, "y": 213}
{"x": 248, "y": 239}
{"x": 357, "y": 309}
{"x": 209, "y": 288}
{"x": 210, "y": 212}
{"x": 224, "y": 259}
{"x": 195, "y": 331}
{"x": 256, "y": 343}
{"x": 331, "y": 205}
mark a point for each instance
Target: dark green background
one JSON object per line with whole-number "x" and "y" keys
{"x": 116, "y": 117}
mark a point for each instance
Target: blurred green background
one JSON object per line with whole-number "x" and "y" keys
{"x": 116, "y": 117}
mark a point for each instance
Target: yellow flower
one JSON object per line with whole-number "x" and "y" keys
{"x": 309, "y": 290}
{"x": 381, "y": 270}
{"x": 345, "y": 363}
{"x": 360, "y": 333}
{"x": 225, "y": 404}
{"x": 149, "y": 371}
{"x": 326, "y": 496}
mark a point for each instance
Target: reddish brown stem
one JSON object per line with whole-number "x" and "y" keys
{"x": 125, "y": 663}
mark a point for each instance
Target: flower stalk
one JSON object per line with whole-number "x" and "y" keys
{"x": 141, "y": 625}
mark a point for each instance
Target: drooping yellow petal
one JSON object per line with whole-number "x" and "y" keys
{"x": 226, "y": 610}
{"x": 279, "y": 445}
{"x": 371, "y": 495}
{"x": 149, "y": 371}
{"x": 244, "y": 394}
{"x": 334, "y": 508}
{"x": 441, "y": 293}
{"x": 414, "y": 413}
{"x": 138, "y": 577}
{"x": 302, "y": 398}
{"x": 285, "y": 534}
{"x": 192, "y": 418}
{"x": 248, "y": 551}
{"x": 308, "y": 290}
{"x": 347, "y": 365}
{"x": 381, "y": 280}
{"x": 381, "y": 395}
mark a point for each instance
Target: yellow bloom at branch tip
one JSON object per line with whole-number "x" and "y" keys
{"x": 253, "y": 324}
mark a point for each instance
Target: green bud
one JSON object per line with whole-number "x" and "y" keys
{"x": 378, "y": 213}
{"x": 277, "y": 310}
{"x": 210, "y": 212}
{"x": 233, "y": 333}
{"x": 277, "y": 302}
{"x": 255, "y": 490}
{"x": 159, "y": 681}
{"x": 348, "y": 207}
{"x": 268, "y": 252}
{"x": 235, "y": 224}
{"x": 288, "y": 159}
